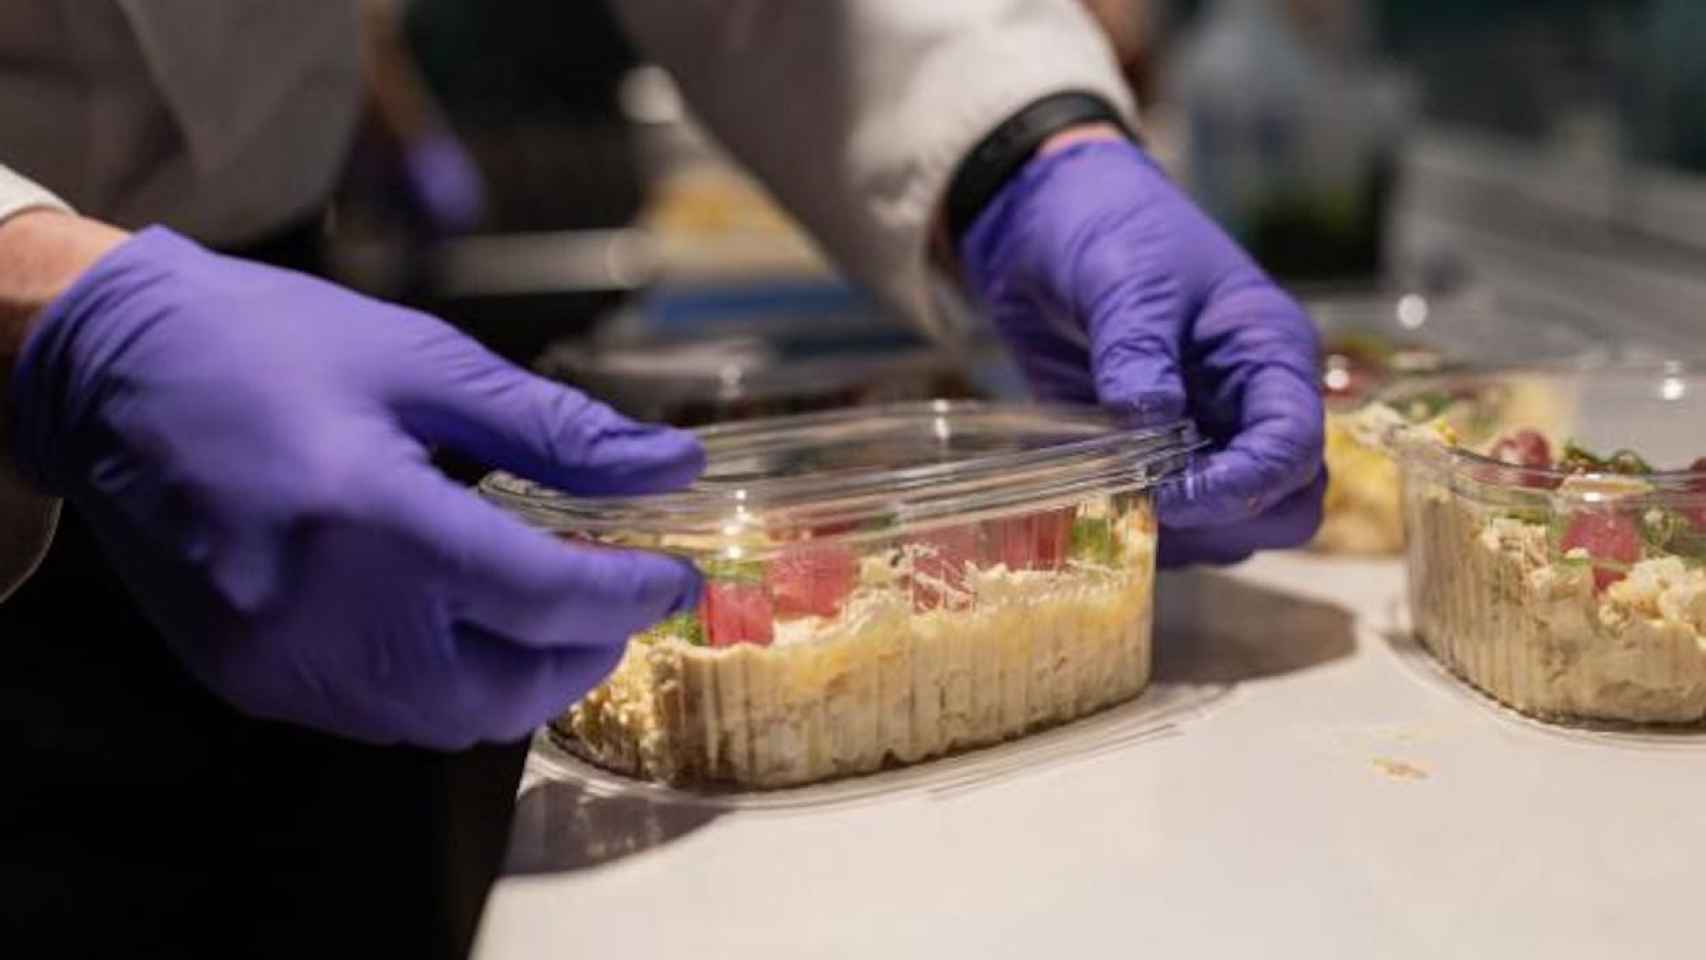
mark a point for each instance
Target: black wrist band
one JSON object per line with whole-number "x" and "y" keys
{"x": 994, "y": 160}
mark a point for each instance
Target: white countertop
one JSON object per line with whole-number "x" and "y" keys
{"x": 1302, "y": 783}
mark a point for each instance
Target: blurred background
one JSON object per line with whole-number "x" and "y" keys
{"x": 524, "y": 174}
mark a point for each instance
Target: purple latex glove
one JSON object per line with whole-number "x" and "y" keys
{"x": 1112, "y": 287}
{"x": 250, "y": 446}
{"x": 445, "y": 183}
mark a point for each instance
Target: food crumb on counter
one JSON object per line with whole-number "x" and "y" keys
{"x": 1399, "y": 769}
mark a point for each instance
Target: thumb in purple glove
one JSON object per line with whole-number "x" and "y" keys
{"x": 249, "y": 445}
{"x": 1113, "y": 288}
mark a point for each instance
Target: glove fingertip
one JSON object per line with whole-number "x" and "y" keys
{"x": 670, "y": 585}
{"x": 636, "y": 587}
{"x": 1146, "y": 407}
{"x": 603, "y": 452}
{"x": 1141, "y": 391}
{"x": 655, "y": 459}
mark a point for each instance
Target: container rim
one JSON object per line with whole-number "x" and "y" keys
{"x": 1111, "y": 459}
{"x": 1511, "y": 475}
{"x": 751, "y": 376}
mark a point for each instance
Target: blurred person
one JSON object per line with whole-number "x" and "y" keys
{"x": 233, "y": 740}
{"x": 409, "y": 182}
{"x": 1130, "y": 26}
{"x": 427, "y": 172}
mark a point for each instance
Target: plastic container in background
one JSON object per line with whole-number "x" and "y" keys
{"x": 882, "y": 587}
{"x": 1371, "y": 339}
{"x": 693, "y": 357}
{"x": 1568, "y": 588}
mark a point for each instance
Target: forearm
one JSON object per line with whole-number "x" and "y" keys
{"x": 41, "y": 252}
{"x": 43, "y": 249}
{"x": 397, "y": 90}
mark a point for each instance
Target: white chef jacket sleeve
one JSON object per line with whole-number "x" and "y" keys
{"x": 856, "y": 113}
{"x": 18, "y": 194}
{"x": 27, "y": 518}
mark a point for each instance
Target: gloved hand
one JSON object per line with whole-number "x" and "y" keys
{"x": 1112, "y": 287}
{"x": 444, "y": 183}
{"x": 250, "y": 446}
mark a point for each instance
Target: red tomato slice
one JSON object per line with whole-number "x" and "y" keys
{"x": 1605, "y": 535}
{"x": 1527, "y": 449}
{"x": 1524, "y": 448}
{"x": 811, "y": 579}
{"x": 1697, "y": 514}
{"x": 939, "y": 562}
{"x": 735, "y": 612}
{"x": 830, "y": 529}
{"x": 1035, "y": 541}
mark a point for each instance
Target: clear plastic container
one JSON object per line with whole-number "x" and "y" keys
{"x": 1572, "y": 587}
{"x": 700, "y": 382}
{"x": 1372, "y": 339}
{"x": 694, "y": 357}
{"x": 882, "y": 586}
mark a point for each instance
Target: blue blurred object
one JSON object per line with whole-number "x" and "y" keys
{"x": 799, "y": 318}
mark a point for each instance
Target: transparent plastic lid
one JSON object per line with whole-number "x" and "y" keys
{"x": 735, "y": 368}
{"x": 1374, "y": 337}
{"x": 1645, "y": 411}
{"x": 692, "y": 356}
{"x": 878, "y": 469}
